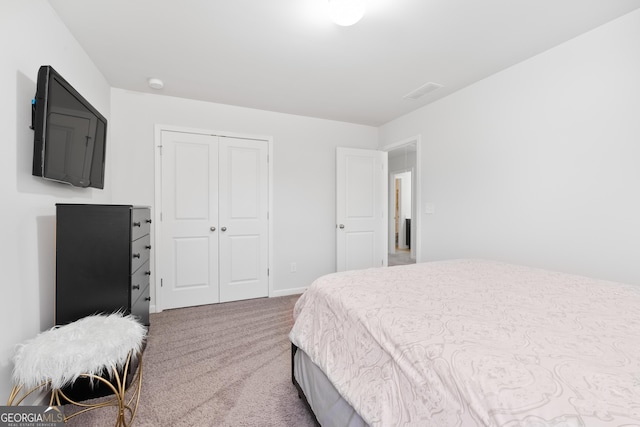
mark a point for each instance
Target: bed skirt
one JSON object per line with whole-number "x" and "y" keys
{"x": 328, "y": 406}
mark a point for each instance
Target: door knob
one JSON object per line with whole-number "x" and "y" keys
{"x": 341, "y": 226}
{"x": 212, "y": 229}
{"x": 224, "y": 229}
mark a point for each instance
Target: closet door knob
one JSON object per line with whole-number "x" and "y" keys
{"x": 137, "y": 224}
{"x": 136, "y": 255}
{"x": 135, "y": 287}
{"x": 224, "y": 229}
{"x": 212, "y": 229}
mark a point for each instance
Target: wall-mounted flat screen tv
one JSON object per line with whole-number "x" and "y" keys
{"x": 70, "y": 134}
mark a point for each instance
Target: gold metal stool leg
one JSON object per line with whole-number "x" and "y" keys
{"x": 119, "y": 390}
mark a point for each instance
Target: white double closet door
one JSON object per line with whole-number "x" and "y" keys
{"x": 214, "y": 219}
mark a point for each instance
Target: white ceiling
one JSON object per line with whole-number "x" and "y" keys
{"x": 285, "y": 55}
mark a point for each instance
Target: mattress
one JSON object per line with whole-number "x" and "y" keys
{"x": 472, "y": 342}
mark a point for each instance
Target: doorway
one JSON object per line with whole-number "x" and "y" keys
{"x": 404, "y": 242}
{"x": 402, "y": 214}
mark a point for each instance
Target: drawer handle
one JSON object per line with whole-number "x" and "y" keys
{"x": 147, "y": 299}
{"x": 147, "y": 273}
{"x": 137, "y": 224}
{"x": 148, "y": 221}
{"x": 135, "y": 287}
{"x": 136, "y": 255}
{"x": 147, "y": 247}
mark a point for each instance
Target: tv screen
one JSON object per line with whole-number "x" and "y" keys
{"x": 70, "y": 134}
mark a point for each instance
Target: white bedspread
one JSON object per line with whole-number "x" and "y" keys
{"x": 470, "y": 342}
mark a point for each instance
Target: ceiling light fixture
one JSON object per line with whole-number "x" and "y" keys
{"x": 346, "y": 12}
{"x": 155, "y": 83}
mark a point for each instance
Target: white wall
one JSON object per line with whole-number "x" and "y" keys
{"x": 539, "y": 164}
{"x": 32, "y": 35}
{"x": 303, "y": 163}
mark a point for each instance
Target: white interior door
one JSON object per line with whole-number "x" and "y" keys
{"x": 361, "y": 209}
{"x": 188, "y": 230}
{"x": 243, "y": 219}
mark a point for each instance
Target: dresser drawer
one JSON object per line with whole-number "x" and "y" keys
{"x": 140, "y": 252}
{"x": 140, "y": 222}
{"x": 139, "y": 281}
{"x": 140, "y": 308}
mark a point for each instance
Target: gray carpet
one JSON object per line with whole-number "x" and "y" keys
{"x": 217, "y": 365}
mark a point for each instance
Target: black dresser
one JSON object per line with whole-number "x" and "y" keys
{"x": 102, "y": 261}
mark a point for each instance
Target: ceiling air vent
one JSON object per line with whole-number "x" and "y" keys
{"x": 423, "y": 90}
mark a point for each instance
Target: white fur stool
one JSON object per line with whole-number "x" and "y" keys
{"x": 91, "y": 348}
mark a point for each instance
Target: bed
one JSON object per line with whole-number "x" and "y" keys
{"x": 468, "y": 343}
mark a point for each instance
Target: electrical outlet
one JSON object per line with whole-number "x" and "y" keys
{"x": 294, "y": 267}
{"x": 429, "y": 208}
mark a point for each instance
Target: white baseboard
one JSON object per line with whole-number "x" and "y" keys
{"x": 285, "y": 292}
{"x": 43, "y": 398}
{"x": 276, "y": 293}
{"x": 40, "y": 397}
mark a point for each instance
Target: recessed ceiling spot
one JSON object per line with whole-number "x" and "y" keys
{"x": 155, "y": 83}
{"x": 423, "y": 90}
